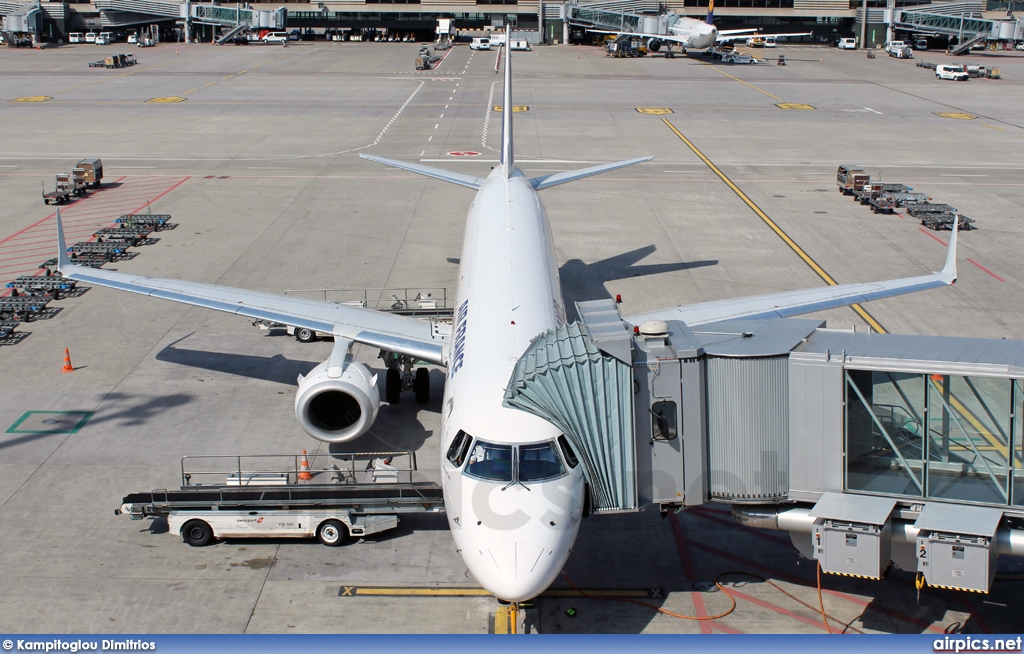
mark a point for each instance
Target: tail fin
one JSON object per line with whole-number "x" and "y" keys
{"x": 506, "y": 158}
{"x": 710, "y": 20}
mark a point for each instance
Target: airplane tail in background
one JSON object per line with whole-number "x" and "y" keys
{"x": 710, "y": 20}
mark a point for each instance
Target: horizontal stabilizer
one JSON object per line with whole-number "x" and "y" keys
{"x": 547, "y": 181}
{"x": 428, "y": 171}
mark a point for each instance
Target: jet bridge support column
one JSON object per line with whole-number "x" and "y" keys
{"x": 671, "y": 425}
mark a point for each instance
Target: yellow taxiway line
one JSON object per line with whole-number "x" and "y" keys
{"x": 774, "y": 227}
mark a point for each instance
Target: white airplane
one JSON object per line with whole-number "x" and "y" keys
{"x": 691, "y": 33}
{"x": 514, "y": 489}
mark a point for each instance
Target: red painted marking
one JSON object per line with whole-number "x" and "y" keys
{"x": 778, "y": 574}
{"x": 94, "y": 215}
{"x": 684, "y": 558}
{"x": 986, "y": 270}
{"x": 777, "y": 609}
{"x": 928, "y": 233}
{"x": 463, "y": 153}
{"x": 976, "y": 614}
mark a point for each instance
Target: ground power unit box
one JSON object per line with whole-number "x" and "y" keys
{"x": 852, "y": 534}
{"x": 956, "y": 546}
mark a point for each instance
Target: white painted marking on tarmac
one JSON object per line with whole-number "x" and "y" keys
{"x": 446, "y": 106}
{"x": 437, "y": 125}
{"x": 441, "y": 116}
{"x": 423, "y": 153}
{"x": 487, "y": 119}
{"x": 873, "y": 111}
{"x": 430, "y": 139}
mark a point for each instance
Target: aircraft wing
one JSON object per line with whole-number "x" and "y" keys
{"x": 646, "y": 35}
{"x": 793, "y": 303}
{"x": 409, "y": 336}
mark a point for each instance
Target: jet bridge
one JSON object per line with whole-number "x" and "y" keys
{"x": 869, "y": 449}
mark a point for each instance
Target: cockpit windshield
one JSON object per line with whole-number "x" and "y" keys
{"x": 539, "y": 461}
{"x": 490, "y": 461}
{"x": 507, "y": 463}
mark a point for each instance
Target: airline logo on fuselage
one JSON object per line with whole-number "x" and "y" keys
{"x": 459, "y": 351}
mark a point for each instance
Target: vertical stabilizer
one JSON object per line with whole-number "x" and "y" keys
{"x": 507, "y": 160}
{"x": 710, "y": 20}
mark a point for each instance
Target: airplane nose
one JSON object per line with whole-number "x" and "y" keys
{"x": 516, "y": 571}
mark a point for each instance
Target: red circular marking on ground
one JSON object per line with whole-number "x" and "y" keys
{"x": 464, "y": 153}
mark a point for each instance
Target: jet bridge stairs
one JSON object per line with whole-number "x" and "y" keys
{"x": 869, "y": 449}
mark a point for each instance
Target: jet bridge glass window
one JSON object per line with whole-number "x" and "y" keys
{"x": 539, "y": 462}
{"x": 664, "y": 425}
{"x": 951, "y": 437}
{"x": 459, "y": 448}
{"x": 491, "y": 462}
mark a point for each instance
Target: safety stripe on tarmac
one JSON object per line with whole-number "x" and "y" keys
{"x": 775, "y": 228}
{"x": 393, "y": 591}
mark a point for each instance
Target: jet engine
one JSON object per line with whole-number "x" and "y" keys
{"x": 337, "y": 403}
{"x": 654, "y": 45}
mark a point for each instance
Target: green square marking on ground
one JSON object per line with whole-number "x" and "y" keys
{"x": 50, "y": 422}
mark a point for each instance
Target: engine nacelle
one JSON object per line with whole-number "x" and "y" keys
{"x": 654, "y": 45}
{"x": 337, "y": 404}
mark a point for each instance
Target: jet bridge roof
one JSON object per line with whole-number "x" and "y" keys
{"x": 885, "y": 351}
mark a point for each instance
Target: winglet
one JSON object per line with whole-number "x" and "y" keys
{"x": 948, "y": 272}
{"x": 507, "y": 159}
{"x": 62, "y": 247}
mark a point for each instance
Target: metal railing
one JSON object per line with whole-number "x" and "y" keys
{"x": 270, "y": 469}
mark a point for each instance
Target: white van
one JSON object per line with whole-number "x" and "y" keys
{"x": 951, "y": 71}
{"x": 847, "y": 44}
{"x": 90, "y": 37}
{"x": 276, "y": 37}
{"x": 75, "y": 37}
{"x": 497, "y": 39}
{"x": 133, "y": 38}
{"x": 105, "y": 38}
{"x": 480, "y": 44}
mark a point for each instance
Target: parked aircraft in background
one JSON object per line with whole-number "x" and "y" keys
{"x": 692, "y": 34}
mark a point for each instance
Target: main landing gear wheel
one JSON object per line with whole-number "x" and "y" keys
{"x": 332, "y": 533}
{"x": 197, "y": 533}
{"x": 393, "y": 386}
{"x": 304, "y": 335}
{"x": 421, "y": 386}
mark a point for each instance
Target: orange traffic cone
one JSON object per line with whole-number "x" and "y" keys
{"x": 67, "y": 362}
{"x": 304, "y": 474}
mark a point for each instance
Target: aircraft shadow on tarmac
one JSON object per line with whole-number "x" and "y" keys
{"x": 275, "y": 368}
{"x": 395, "y": 429}
{"x": 586, "y": 281}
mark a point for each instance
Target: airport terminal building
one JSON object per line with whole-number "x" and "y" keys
{"x": 539, "y": 20}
